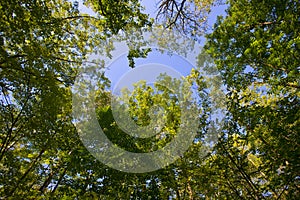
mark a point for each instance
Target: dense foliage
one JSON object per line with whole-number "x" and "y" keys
{"x": 255, "y": 47}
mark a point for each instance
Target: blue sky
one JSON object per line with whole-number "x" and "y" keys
{"x": 118, "y": 67}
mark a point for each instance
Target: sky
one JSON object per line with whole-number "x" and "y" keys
{"x": 118, "y": 70}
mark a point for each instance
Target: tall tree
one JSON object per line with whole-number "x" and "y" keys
{"x": 256, "y": 49}
{"x": 176, "y": 180}
{"x": 43, "y": 44}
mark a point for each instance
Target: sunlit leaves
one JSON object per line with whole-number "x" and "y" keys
{"x": 256, "y": 53}
{"x": 43, "y": 44}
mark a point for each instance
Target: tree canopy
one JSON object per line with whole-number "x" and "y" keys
{"x": 255, "y": 48}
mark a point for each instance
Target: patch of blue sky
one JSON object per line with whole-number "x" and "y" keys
{"x": 119, "y": 68}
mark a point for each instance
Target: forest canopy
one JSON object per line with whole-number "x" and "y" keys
{"x": 254, "y": 48}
